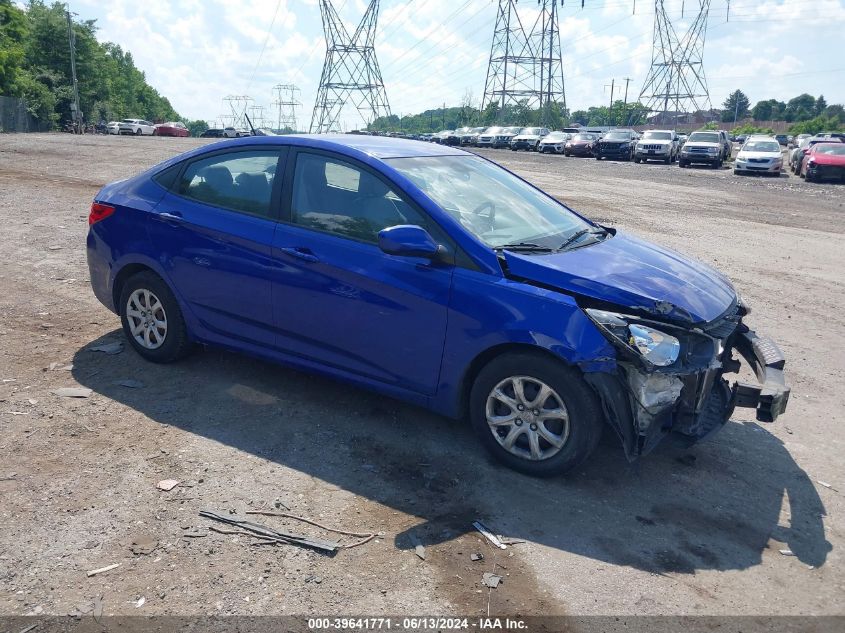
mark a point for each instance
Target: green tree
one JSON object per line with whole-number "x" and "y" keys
{"x": 800, "y": 108}
{"x": 13, "y": 31}
{"x": 735, "y": 106}
{"x": 821, "y": 104}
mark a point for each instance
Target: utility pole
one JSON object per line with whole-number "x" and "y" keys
{"x": 625, "y": 103}
{"x": 444, "y": 115}
{"x": 610, "y": 109}
{"x": 76, "y": 114}
{"x": 736, "y": 109}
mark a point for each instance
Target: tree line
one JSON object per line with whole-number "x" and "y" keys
{"x": 35, "y": 65}
{"x": 806, "y": 113}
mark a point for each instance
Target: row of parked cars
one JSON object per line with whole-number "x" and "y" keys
{"x": 140, "y": 127}
{"x": 813, "y": 157}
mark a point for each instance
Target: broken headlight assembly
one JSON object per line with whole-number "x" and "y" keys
{"x": 652, "y": 345}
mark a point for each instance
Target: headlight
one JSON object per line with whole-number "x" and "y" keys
{"x": 658, "y": 348}
{"x": 712, "y": 150}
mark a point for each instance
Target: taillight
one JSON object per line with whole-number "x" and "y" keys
{"x": 99, "y": 212}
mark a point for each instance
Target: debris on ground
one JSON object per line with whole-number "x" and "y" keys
{"x": 61, "y": 367}
{"x": 478, "y": 525}
{"x": 131, "y": 384}
{"x": 315, "y": 579}
{"x": 112, "y": 348}
{"x": 826, "y": 485}
{"x": 248, "y": 528}
{"x": 478, "y": 556}
{"x": 94, "y": 572}
{"x": 510, "y": 541}
{"x": 419, "y": 550}
{"x": 365, "y": 537}
{"x": 73, "y": 392}
{"x": 167, "y": 484}
{"x": 17, "y": 412}
{"x": 140, "y": 602}
{"x": 143, "y": 545}
{"x": 787, "y": 552}
{"x": 491, "y": 580}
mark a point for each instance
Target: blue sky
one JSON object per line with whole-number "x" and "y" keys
{"x": 196, "y": 52}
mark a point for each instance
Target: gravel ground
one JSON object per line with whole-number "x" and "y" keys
{"x": 685, "y": 531}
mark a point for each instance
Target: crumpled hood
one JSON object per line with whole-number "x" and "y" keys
{"x": 828, "y": 159}
{"x": 632, "y": 273}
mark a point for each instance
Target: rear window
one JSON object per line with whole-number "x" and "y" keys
{"x": 239, "y": 181}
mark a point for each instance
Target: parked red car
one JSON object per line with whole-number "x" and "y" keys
{"x": 581, "y": 144}
{"x": 174, "y": 128}
{"x": 824, "y": 161}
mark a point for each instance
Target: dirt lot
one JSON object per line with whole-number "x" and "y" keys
{"x": 686, "y": 531}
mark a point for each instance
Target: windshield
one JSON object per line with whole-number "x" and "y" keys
{"x": 761, "y": 146}
{"x": 658, "y": 136}
{"x": 477, "y": 129}
{"x": 618, "y": 136}
{"x": 493, "y": 130}
{"x": 837, "y": 149}
{"x": 490, "y": 202}
{"x": 704, "y": 137}
{"x": 512, "y": 130}
{"x": 584, "y": 137}
{"x": 557, "y": 135}
{"x": 532, "y": 131}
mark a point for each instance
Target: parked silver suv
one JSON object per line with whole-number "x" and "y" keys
{"x": 657, "y": 145}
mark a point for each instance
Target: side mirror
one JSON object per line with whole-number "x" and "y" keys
{"x": 407, "y": 240}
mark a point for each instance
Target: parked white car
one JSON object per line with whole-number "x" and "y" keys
{"x": 113, "y": 127}
{"x": 760, "y": 154}
{"x": 554, "y": 142}
{"x": 137, "y": 127}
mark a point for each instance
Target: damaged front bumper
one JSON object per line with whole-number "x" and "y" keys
{"x": 693, "y": 400}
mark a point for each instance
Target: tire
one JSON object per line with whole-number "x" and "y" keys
{"x": 581, "y": 431}
{"x": 637, "y": 160}
{"x": 566, "y": 154}
{"x": 171, "y": 344}
{"x": 598, "y": 157}
{"x": 682, "y": 163}
{"x": 138, "y": 132}
{"x": 736, "y": 173}
{"x": 667, "y": 160}
{"x": 808, "y": 177}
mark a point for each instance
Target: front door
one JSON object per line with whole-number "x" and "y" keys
{"x": 337, "y": 297}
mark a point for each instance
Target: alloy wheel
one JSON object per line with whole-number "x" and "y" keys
{"x": 147, "y": 319}
{"x": 527, "y": 418}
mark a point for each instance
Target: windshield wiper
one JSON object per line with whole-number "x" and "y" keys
{"x": 578, "y": 234}
{"x": 524, "y": 246}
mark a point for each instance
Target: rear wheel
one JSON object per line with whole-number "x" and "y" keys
{"x": 535, "y": 414}
{"x": 152, "y": 319}
{"x": 682, "y": 163}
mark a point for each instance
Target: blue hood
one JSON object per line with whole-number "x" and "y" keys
{"x": 635, "y": 274}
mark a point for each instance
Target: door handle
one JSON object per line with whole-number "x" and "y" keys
{"x": 171, "y": 218}
{"x": 300, "y": 252}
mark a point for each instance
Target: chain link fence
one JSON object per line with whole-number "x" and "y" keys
{"x": 15, "y": 118}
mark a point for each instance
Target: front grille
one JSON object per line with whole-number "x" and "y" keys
{"x": 697, "y": 150}
{"x": 758, "y": 160}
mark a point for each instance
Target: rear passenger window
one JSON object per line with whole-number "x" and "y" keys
{"x": 240, "y": 181}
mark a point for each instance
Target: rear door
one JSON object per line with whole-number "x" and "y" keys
{"x": 214, "y": 233}
{"x": 338, "y": 299}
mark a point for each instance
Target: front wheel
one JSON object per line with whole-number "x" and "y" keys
{"x": 535, "y": 414}
{"x": 152, "y": 320}
{"x": 138, "y": 132}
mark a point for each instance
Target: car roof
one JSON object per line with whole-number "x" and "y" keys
{"x": 376, "y": 146}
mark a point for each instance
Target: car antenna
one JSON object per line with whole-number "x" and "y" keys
{"x": 252, "y": 129}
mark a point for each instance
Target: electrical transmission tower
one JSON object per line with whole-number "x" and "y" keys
{"x": 525, "y": 68}
{"x": 287, "y": 103}
{"x": 238, "y": 105}
{"x": 350, "y": 71}
{"x": 676, "y": 84}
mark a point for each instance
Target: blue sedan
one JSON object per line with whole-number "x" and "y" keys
{"x": 431, "y": 275}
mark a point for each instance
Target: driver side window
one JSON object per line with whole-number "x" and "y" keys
{"x": 337, "y": 197}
